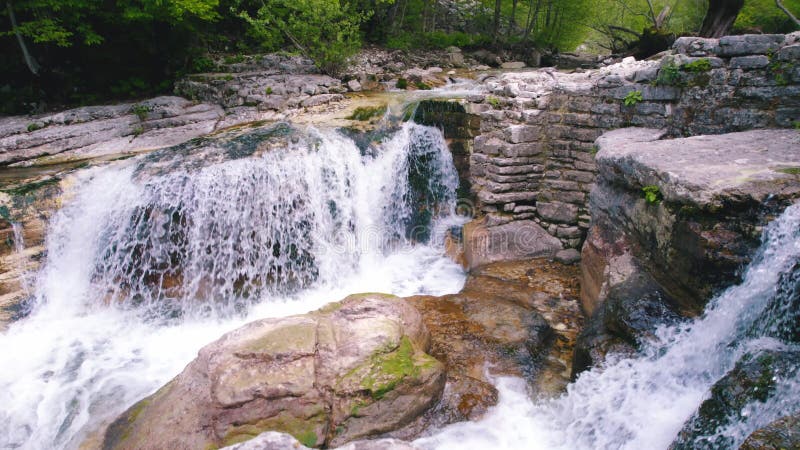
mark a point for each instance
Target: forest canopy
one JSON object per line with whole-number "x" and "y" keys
{"x": 84, "y": 51}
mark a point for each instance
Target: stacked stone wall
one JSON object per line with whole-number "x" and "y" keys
{"x": 534, "y": 157}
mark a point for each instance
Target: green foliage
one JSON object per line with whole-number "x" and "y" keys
{"x": 652, "y": 194}
{"x": 697, "y": 66}
{"x": 137, "y": 130}
{"x": 203, "y": 64}
{"x": 669, "y": 74}
{"x": 364, "y": 113}
{"x": 796, "y": 124}
{"x": 129, "y": 87}
{"x": 632, "y": 98}
{"x": 402, "y": 83}
{"x": 326, "y": 31}
{"x": 235, "y": 59}
{"x": 268, "y": 90}
{"x": 780, "y": 71}
{"x": 69, "y": 22}
{"x": 141, "y": 111}
{"x": 33, "y": 127}
{"x": 493, "y": 101}
{"x": 422, "y": 86}
{"x": 764, "y": 16}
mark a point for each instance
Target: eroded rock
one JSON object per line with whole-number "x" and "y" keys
{"x": 353, "y": 369}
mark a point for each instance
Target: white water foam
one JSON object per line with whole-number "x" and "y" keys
{"x": 643, "y": 402}
{"x": 90, "y": 349}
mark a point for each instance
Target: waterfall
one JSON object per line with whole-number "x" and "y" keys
{"x": 153, "y": 257}
{"x": 643, "y": 402}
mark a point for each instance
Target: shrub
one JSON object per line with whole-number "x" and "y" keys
{"x": 668, "y": 75}
{"x": 632, "y": 98}
{"x": 402, "y": 83}
{"x": 652, "y": 194}
{"x": 141, "y": 111}
{"x": 697, "y": 66}
{"x": 33, "y": 127}
{"x": 268, "y": 90}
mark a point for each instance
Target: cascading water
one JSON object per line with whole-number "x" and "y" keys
{"x": 152, "y": 258}
{"x": 643, "y": 402}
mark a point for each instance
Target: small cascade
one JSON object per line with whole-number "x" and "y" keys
{"x": 643, "y": 402}
{"x": 153, "y": 257}
{"x": 19, "y": 249}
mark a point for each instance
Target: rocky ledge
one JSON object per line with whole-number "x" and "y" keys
{"x": 675, "y": 221}
{"x": 371, "y": 366}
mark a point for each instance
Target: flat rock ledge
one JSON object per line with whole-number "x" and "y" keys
{"x": 704, "y": 170}
{"x": 354, "y": 369}
{"x": 673, "y": 223}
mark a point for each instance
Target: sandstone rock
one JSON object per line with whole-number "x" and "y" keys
{"x": 516, "y": 240}
{"x": 353, "y": 369}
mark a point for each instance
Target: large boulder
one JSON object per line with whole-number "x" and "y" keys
{"x": 673, "y": 222}
{"x": 353, "y": 369}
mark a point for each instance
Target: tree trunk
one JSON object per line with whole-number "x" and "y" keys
{"x": 496, "y": 30}
{"x": 512, "y": 23}
{"x": 33, "y": 66}
{"x": 720, "y": 16}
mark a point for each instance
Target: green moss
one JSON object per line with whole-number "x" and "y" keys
{"x": 780, "y": 70}
{"x": 389, "y": 369}
{"x": 33, "y": 127}
{"x": 137, "y": 130}
{"x": 422, "y": 86}
{"x": 493, "y": 101}
{"x": 652, "y": 194}
{"x": 308, "y": 438}
{"x": 304, "y": 430}
{"x": 632, "y": 98}
{"x": 133, "y": 414}
{"x": 364, "y": 113}
{"x": 26, "y": 189}
{"x": 402, "y": 83}
{"x": 268, "y": 90}
{"x": 790, "y": 170}
{"x": 697, "y": 66}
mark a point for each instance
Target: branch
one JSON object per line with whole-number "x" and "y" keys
{"x": 787, "y": 12}
{"x": 33, "y": 66}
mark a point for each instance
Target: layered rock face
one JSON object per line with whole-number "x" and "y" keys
{"x": 350, "y": 370}
{"x": 674, "y": 221}
{"x": 534, "y": 159}
{"x": 96, "y": 131}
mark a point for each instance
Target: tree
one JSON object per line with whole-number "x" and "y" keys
{"x": 326, "y": 31}
{"x": 720, "y": 17}
{"x": 65, "y": 23}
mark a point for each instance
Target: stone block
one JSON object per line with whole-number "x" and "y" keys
{"x": 557, "y": 212}
{"x": 749, "y": 44}
{"x": 749, "y": 62}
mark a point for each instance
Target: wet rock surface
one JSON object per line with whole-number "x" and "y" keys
{"x": 351, "y": 370}
{"x": 517, "y": 318}
{"x": 781, "y": 434}
{"x": 753, "y": 379}
{"x": 675, "y": 221}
